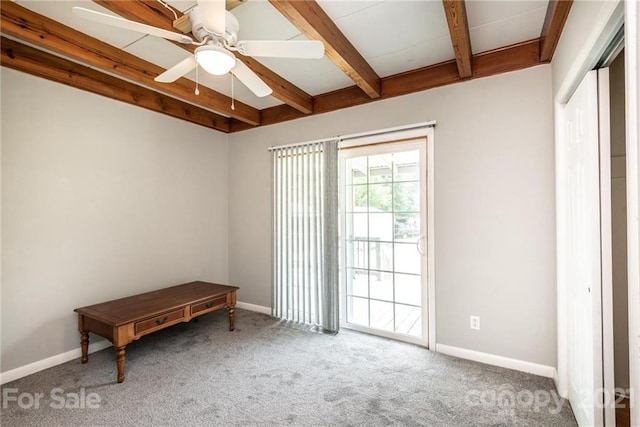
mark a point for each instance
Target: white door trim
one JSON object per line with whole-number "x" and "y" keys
{"x": 632, "y": 82}
{"x": 431, "y": 239}
{"x": 606, "y": 251}
{"x": 425, "y": 131}
{"x": 596, "y": 42}
{"x": 585, "y": 60}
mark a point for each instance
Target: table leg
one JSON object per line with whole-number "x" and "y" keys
{"x": 232, "y": 315}
{"x": 84, "y": 343}
{"x": 120, "y": 362}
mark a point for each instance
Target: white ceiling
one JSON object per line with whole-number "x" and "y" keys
{"x": 393, "y": 36}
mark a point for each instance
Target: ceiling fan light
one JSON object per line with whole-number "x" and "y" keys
{"x": 215, "y": 60}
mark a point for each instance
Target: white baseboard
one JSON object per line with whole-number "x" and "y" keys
{"x": 50, "y": 362}
{"x": 492, "y": 359}
{"x": 61, "y": 358}
{"x": 556, "y": 381}
{"x": 253, "y": 307}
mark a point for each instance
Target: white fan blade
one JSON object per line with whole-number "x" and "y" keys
{"x": 177, "y": 71}
{"x": 117, "y": 21}
{"x": 312, "y": 49}
{"x": 250, "y": 79}
{"x": 213, "y": 13}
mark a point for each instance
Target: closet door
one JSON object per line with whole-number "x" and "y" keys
{"x": 584, "y": 243}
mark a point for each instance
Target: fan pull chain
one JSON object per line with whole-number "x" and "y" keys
{"x": 233, "y": 103}
{"x": 197, "y": 92}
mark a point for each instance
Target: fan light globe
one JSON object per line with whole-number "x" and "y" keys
{"x": 215, "y": 60}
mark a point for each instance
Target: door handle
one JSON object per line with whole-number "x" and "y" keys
{"x": 419, "y": 245}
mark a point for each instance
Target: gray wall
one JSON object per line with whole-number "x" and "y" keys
{"x": 494, "y": 206}
{"x": 100, "y": 200}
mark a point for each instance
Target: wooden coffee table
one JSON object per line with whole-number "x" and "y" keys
{"x": 127, "y": 319}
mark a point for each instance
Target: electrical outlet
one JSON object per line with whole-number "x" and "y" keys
{"x": 475, "y": 322}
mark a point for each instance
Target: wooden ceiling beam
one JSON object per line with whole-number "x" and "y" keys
{"x": 315, "y": 24}
{"x": 27, "y": 26}
{"x": 232, "y": 4}
{"x": 557, "y": 12}
{"x": 456, "y": 13}
{"x": 106, "y": 61}
{"x": 510, "y": 58}
{"x": 425, "y": 78}
{"x": 144, "y": 11}
{"x": 27, "y": 59}
{"x": 153, "y": 13}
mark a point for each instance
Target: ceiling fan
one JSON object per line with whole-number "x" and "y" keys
{"x": 216, "y": 32}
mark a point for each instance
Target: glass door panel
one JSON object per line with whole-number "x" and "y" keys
{"x": 383, "y": 206}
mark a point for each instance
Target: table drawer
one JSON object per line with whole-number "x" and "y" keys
{"x": 160, "y": 321}
{"x": 209, "y": 305}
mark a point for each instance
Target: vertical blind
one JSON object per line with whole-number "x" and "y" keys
{"x": 305, "y": 233}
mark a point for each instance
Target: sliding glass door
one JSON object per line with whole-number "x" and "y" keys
{"x": 383, "y": 227}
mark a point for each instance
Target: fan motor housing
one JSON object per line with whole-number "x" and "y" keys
{"x": 200, "y": 33}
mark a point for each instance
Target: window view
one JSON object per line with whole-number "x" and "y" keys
{"x": 382, "y": 284}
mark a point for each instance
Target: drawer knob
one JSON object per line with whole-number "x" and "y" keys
{"x": 209, "y": 304}
{"x": 161, "y": 321}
